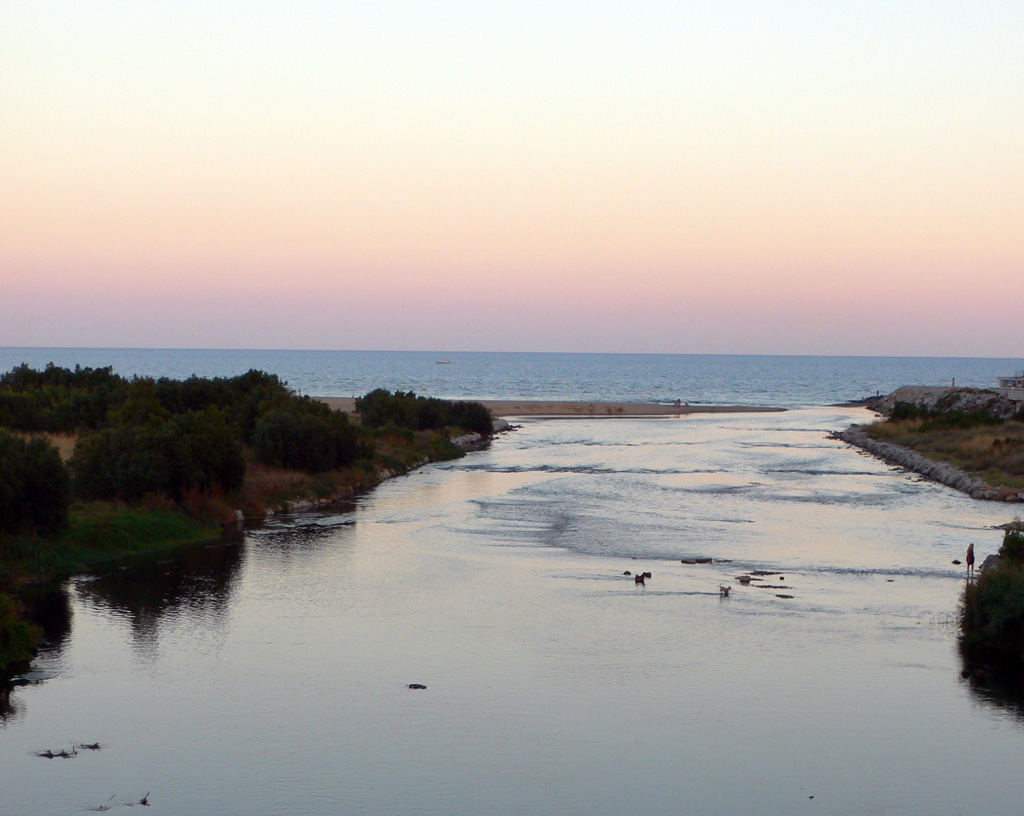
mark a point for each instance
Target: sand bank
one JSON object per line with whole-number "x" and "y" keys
{"x": 568, "y": 408}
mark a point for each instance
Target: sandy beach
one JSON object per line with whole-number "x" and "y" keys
{"x": 568, "y": 408}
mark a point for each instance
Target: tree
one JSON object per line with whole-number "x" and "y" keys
{"x": 34, "y": 486}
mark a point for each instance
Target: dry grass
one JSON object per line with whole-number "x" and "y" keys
{"x": 993, "y": 452}
{"x": 269, "y": 487}
{"x": 63, "y": 442}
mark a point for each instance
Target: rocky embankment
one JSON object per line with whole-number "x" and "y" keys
{"x": 941, "y": 400}
{"x": 944, "y": 400}
{"x": 941, "y": 472}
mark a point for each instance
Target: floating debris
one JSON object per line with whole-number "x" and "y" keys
{"x": 784, "y": 596}
{"x": 61, "y": 754}
{"x": 416, "y": 686}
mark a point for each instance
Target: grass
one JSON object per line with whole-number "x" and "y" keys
{"x": 992, "y": 452}
{"x": 99, "y": 533}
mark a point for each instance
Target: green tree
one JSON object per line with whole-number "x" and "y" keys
{"x": 34, "y": 486}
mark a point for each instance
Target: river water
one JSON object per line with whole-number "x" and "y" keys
{"x": 269, "y": 675}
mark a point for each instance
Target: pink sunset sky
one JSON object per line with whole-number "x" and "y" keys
{"x": 733, "y": 177}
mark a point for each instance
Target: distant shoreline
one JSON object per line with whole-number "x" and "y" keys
{"x": 582, "y": 408}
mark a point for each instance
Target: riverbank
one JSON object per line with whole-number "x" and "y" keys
{"x": 969, "y": 439}
{"x": 580, "y": 408}
{"x": 937, "y": 470}
{"x": 99, "y": 534}
{"x": 554, "y": 682}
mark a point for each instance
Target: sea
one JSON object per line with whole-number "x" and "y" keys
{"x": 471, "y": 639}
{"x": 788, "y": 381}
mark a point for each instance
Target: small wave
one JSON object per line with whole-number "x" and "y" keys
{"x": 825, "y": 472}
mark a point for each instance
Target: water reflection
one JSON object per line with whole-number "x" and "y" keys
{"x": 49, "y": 608}
{"x": 10, "y": 709}
{"x": 198, "y": 582}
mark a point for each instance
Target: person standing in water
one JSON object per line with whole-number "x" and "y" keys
{"x": 970, "y": 559}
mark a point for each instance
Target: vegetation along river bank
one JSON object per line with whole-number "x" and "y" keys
{"x": 96, "y": 468}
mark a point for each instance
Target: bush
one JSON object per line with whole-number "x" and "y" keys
{"x": 406, "y": 410}
{"x": 195, "y": 451}
{"x": 1013, "y": 547}
{"x": 992, "y": 610}
{"x": 34, "y": 486}
{"x": 308, "y": 437}
{"x": 992, "y": 617}
{"x": 65, "y": 400}
{"x": 58, "y": 399}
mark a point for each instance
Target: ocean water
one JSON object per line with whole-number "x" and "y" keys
{"x": 270, "y": 675}
{"x": 715, "y": 379}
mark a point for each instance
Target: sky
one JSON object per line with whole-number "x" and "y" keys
{"x": 730, "y": 177}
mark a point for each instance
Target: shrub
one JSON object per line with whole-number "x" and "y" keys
{"x": 58, "y": 399}
{"x": 308, "y": 437}
{"x": 193, "y": 451}
{"x": 406, "y": 410}
{"x": 992, "y": 616}
{"x": 908, "y": 410}
{"x": 34, "y": 486}
{"x": 992, "y": 609}
{"x": 1013, "y": 547}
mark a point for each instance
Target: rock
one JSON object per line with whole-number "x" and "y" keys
{"x": 500, "y": 426}
{"x": 943, "y": 399}
{"x": 416, "y": 686}
{"x": 957, "y": 561}
{"x": 912, "y": 460}
{"x": 239, "y": 516}
{"x": 990, "y": 562}
{"x": 470, "y": 442}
